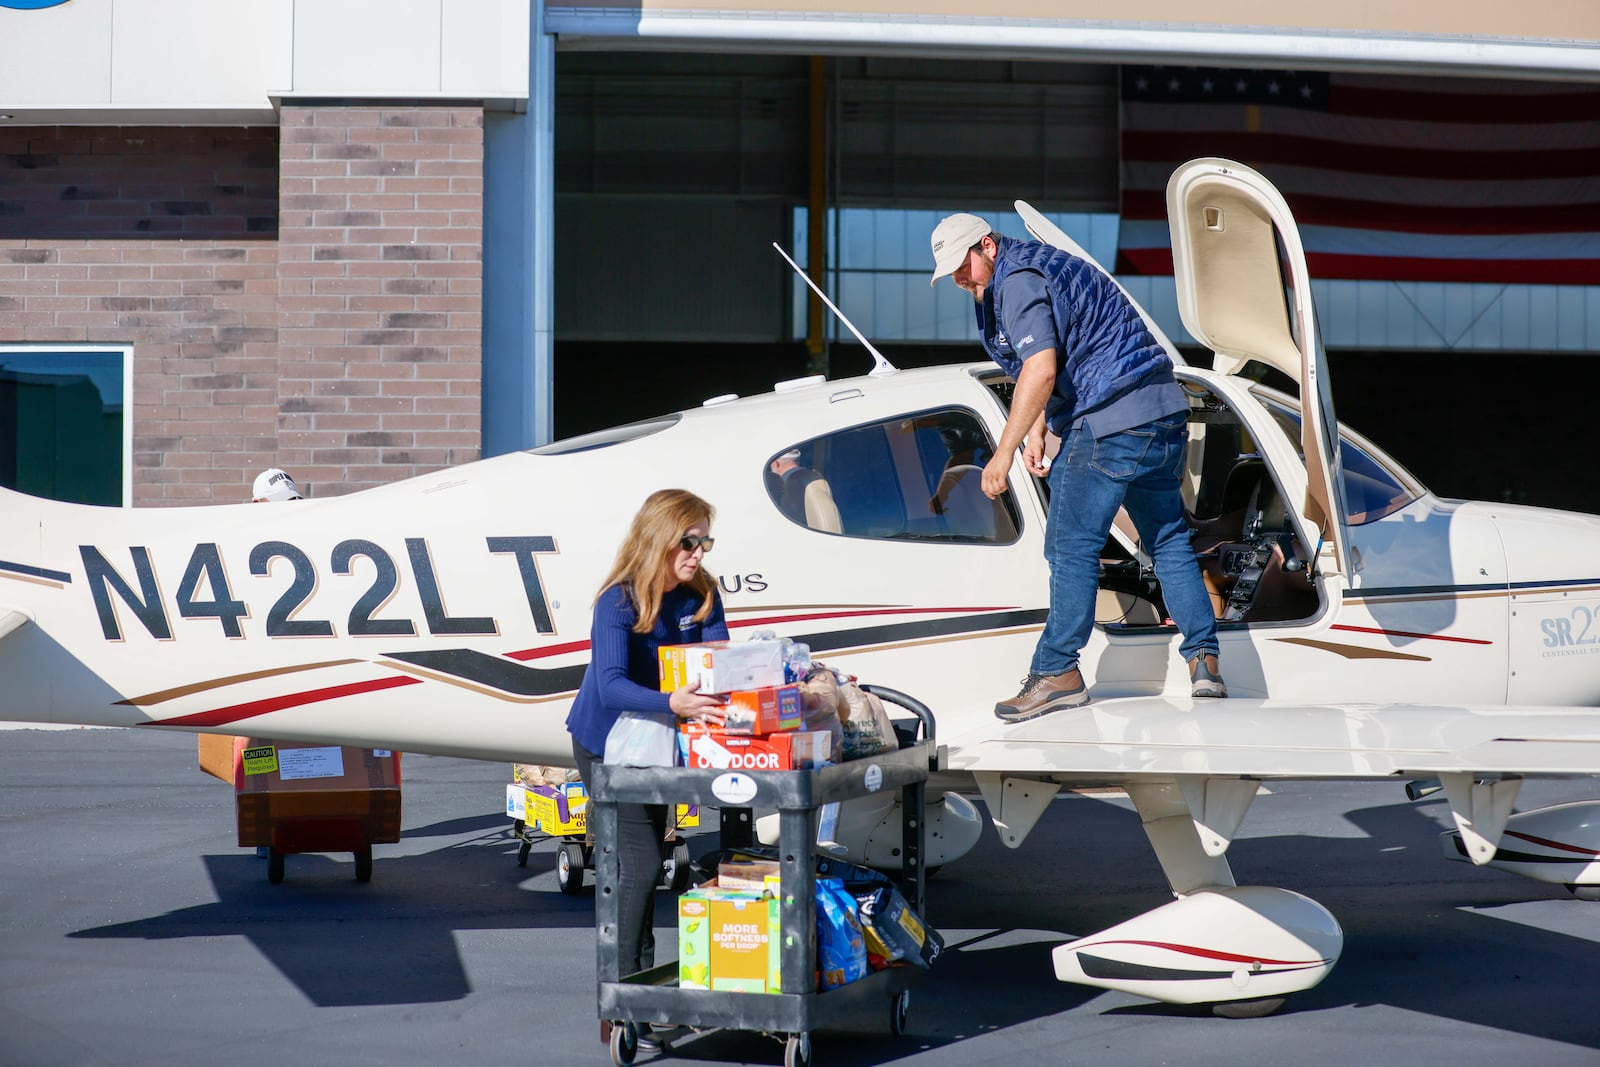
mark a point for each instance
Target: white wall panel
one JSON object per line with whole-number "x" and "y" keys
{"x": 484, "y": 48}
{"x": 357, "y": 47}
{"x": 186, "y": 52}
{"x": 464, "y": 48}
{"x": 57, "y": 57}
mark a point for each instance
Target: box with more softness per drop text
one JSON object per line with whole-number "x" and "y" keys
{"x": 721, "y": 666}
{"x": 729, "y": 940}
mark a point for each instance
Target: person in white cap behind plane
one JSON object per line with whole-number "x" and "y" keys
{"x": 1088, "y": 370}
{"x": 274, "y": 484}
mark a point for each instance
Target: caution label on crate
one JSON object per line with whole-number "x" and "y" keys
{"x": 262, "y": 760}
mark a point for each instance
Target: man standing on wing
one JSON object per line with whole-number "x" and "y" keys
{"x": 1088, "y": 369}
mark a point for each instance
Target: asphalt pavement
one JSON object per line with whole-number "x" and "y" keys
{"x": 135, "y": 931}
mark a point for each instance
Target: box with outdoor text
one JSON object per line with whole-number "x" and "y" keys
{"x": 729, "y": 940}
{"x": 721, "y": 666}
{"x": 704, "y": 748}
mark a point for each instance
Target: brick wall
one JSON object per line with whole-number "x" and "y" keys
{"x": 380, "y": 274}
{"x": 161, "y": 239}
{"x": 307, "y": 297}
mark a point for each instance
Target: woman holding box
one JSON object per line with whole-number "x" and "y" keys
{"x": 657, "y": 593}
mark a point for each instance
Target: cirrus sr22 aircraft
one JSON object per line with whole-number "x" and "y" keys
{"x": 1369, "y": 629}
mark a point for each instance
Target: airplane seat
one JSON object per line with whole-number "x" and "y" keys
{"x": 1242, "y": 483}
{"x": 822, "y": 513}
{"x": 968, "y": 511}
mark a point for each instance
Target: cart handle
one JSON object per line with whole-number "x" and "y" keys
{"x": 911, "y": 704}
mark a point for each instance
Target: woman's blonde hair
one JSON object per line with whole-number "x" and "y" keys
{"x": 644, "y": 562}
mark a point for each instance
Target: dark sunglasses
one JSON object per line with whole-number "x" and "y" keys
{"x": 690, "y": 543}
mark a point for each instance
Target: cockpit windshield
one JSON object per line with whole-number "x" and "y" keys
{"x": 1374, "y": 484}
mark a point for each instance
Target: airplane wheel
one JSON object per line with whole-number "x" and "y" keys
{"x": 364, "y": 865}
{"x": 1585, "y": 892}
{"x": 275, "y": 867}
{"x": 624, "y": 1044}
{"x": 899, "y": 1013}
{"x": 1247, "y": 1009}
{"x": 522, "y": 853}
{"x": 569, "y": 876}
{"x": 797, "y": 1051}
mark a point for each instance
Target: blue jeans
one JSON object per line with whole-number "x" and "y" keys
{"x": 1137, "y": 469}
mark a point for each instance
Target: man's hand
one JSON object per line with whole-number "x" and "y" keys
{"x": 994, "y": 475}
{"x": 1033, "y": 455}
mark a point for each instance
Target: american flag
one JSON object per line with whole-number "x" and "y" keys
{"x": 1390, "y": 177}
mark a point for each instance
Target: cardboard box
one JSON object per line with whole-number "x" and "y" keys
{"x": 705, "y": 749}
{"x": 216, "y": 755}
{"x": 763, "y": 711}
{"x": 749, "y": 875}
{"x": 558, "y": 811}
{"x": 721, "y": 666}
{"x": 729, "y": 940}
{"x": 266, "y": 766}
{"x": 302, "y": 797}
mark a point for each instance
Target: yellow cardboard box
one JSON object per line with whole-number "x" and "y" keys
{"x": 729, "y": 940}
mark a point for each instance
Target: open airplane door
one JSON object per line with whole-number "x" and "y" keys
{"x": 1244, "y": 292}
{"x": 1042, "y": 229}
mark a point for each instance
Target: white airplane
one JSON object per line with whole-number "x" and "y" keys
{"x": 1369, "y": 629}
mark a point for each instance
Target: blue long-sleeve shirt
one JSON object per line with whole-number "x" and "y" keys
{"x": 624, "y": 673}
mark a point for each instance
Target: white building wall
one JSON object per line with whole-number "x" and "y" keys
{"x": 171, "y": 62}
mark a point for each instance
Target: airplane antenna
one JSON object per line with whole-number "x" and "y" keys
{"x": 879, "y": 364}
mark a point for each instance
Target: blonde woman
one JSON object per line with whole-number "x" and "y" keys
{"x": 657, "y": 593}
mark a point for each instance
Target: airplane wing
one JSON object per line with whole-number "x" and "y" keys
{"x": 1205, "y": 760}
{"x": 1118, "y": 739}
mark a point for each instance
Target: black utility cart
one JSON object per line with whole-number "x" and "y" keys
{"x": 653, "y": 996}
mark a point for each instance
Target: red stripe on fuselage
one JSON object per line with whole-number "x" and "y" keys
{"x": 523, "y": 655}
{"x": 236, "y": 712}
{"x": 1408, "y": 633}
{"x": 1558, "y": 845}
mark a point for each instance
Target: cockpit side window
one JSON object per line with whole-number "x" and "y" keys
{"x": 912, "y": 478}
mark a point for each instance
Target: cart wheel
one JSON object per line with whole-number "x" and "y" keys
{"x": 797, "y": 1051}
{"x": 364, "y": 865}
{"x": 522, "y": 853}
{"x": 675, "y": 871}
{"x": 898, "y": 1013}
{"x": 624, "y": 1044}
{"x": 569, "y": 877}
{"x": 275, "y": 867}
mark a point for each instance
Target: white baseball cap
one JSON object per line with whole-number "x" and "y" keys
{"x": 274, "y": 484}
{"x": 952, "y": 238}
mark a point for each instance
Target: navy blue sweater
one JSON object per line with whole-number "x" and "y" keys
{"x": 624, "y": 674}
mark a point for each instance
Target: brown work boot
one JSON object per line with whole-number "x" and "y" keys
{"x": 1043, "y": 693}
{"x": 1205, "y": 678}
